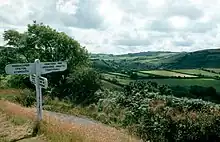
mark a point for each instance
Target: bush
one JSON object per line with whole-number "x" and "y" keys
{"x": 19, "y": 81}
{"x": 80, "y": 87}
{"x": 26, "y": 98}
{"x": 158, "y": 117}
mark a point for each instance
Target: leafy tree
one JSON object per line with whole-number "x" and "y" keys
{"x": 42, "y": 42}
{"x": 81, "y": 86}
{"x": 7, "y": 55}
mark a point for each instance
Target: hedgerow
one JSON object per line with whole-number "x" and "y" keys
{"x": 155, "y": 115}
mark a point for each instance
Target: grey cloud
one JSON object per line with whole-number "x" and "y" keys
{"x": 183, "y": 43}
{"x": 161, "y": 25}
{"x": 132, "y": 42}
{"x": 86, "y": 15}
{"x": 183, "y": 9}
{"x": 171, "y": 8}
{"x": 201, "y": 27}
{"x": 131, "y": 39}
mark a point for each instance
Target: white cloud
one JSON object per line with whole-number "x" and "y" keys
{"x": 121, "y": 26}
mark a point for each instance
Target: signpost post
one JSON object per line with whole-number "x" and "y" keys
{"x": 35, "y": 70}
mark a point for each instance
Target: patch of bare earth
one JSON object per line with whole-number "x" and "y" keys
{"x": 90, "y": 132}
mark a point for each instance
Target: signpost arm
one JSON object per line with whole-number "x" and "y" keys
{"x": 35, "y": 70}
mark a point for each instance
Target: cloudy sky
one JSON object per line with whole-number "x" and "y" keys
{"x": 122, "y": 26}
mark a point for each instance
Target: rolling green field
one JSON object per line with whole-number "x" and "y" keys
{"x": 214, "y": 69}
{"x": 205, "y": 82}
{"x": 189, "y": 82}
{"x": 197, "y": 72}
{"x": 167, "y": 73}
{"x": 181, "y": 82}
{"x": 142, "y": 74}
{"x": 120, "y": 79}
{"x": 111, "y": 85}
{"x": 118, "y": 74}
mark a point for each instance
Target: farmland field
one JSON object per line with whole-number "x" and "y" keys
{"x": 167, "y": 73}
{"x": 189, "y": 82}
{"x": 110, "y": 85}
{"x": 120, "y": 79}
{"x": 205, "y": 82}
{"x": 197, "y": 72}
{"x": 118, "y": 74}
{"x": 142, "y": 74}
{"x": 214, "y": 69}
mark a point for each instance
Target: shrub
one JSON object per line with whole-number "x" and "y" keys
{"x": 26, "y": 98}
{"x": 159, "y": 117}
{"x": 80, "y": 87}
{"x": 19, "y": 81}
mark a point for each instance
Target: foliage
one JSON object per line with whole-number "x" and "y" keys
{"x": 40, "y": 41}
{"x": 151, "y": 111}
{"x": 158, "y": 60}
{"x": 80, "y": 87}
{"x": 19, "y": 81}
{"x": 195, "y": 91}
{"x": 26, "y": 98}
{"x": 44, "y": 43}
{"x": 133, "y": 75}
{"x": 8, "y": 55}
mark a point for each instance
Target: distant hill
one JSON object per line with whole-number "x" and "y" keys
{"x": 2, "y": 47}
{"x": 209, "y": 58}
{"x": 203, "y": 58}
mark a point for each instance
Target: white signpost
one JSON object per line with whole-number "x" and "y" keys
{"x": 43, "y": 81}
{"x": 35, "y": 70}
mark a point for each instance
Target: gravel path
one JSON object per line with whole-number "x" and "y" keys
{"x": 71, "y": 118}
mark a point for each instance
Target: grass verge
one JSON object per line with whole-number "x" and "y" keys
{"x": 56, "y": 130}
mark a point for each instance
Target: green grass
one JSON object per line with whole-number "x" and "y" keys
{"x": 214, "y": 69}
{"x": 118, "y": 74}
{"x": 189, "y": 82}
{"x": 205, "y": 82}
{"x": 197, "y": 72}
{"x": 124, "y": 81}
{"x": 166, "y": 73}
{"x": 108, "y": 76}
{"x": 120, "y": 79}
{"x": 16, "y": 120}
{"x": 110, "y": 85}
{"x": 142, "y": 74}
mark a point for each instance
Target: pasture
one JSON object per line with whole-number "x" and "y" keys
{"x": 167, "y": 73}
{"x": 217, "y": 70}
{"x": 188, "y": 82}
{"x": 205, "y": 82}
{"x": 197, "y": 72}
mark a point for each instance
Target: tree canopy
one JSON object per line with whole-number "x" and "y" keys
{"x": 42, "y": 42}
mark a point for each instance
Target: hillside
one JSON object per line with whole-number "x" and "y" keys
{"x": 199, "y": 59}
{"x": 156, "y": 60}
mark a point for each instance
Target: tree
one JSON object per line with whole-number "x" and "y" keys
{"x": 7, "y": 55}
{"x": 81, "y": 86}
{"x": 42, "y": 42}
